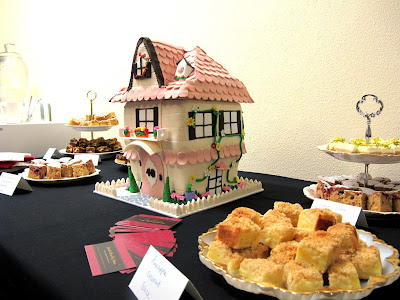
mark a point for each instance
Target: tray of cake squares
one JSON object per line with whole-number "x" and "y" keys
{"x": 379, "y": 197}
{"x": 293, "y": 253}
{"x": 94, "y": 122}
{"x": 59, "y": 170}
{"x": 100, "y": 146}
{"x": 366, "y": 151}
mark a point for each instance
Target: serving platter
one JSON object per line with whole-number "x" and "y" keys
{"x": 362, "y": 158}
{"x": 102, "y": 155}
{"x": 60, "y": 180}
{"x": 389, "y": 257}
{"x": 90, "y": 128}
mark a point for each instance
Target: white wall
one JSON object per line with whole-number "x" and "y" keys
{"x": 304, "y": 62}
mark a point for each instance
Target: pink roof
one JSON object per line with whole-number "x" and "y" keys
{"x": 208, "y": 81}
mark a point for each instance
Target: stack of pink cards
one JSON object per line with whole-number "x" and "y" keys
{"x": 131, "y": 239}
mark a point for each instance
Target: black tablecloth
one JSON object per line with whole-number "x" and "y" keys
{"x": 43, "y": 233}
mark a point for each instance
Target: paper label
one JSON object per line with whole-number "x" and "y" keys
{"x": 9, "y": 182}
{"x": 156, "y": 278}
{"x": 352, "y": 214}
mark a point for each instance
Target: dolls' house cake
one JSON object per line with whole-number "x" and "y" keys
{"x": 184, "y": 134}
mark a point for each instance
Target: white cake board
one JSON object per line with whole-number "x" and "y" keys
{"x": 142, "y": 200}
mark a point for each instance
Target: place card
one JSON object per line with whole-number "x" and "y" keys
{"x": 51, "y": 153}
{"x": 352, "y": 214}
{"x": 85, "y": 157}
{"x": 9, "y": 182}
{"x": 156, "y": 278}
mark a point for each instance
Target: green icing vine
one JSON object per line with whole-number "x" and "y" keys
{"x": 191, "y": 121}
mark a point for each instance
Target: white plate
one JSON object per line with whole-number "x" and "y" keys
{"x": 389, "y": 257}
{"x": 90, "y": 128}
{"x": 64, "y": 179}
{"x": 362, "y": 158}
{"x": 102, "y": 155}
{"x": 309, "y": 192}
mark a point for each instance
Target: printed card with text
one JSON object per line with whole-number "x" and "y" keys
{"x": 157, "y": 278}
{"x": 108, "y": 257}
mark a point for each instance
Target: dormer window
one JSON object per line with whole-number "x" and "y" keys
{"x": 183, "y": 70}
{"x": 142, "y": 69}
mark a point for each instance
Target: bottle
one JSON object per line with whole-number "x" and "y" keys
{"x": 13, "y": 85}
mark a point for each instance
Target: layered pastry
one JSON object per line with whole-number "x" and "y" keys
{"x": 98, "y": 145}
{"x": 325, "y": 254}
{"x": 381, "y": 194}
{"x": 376, "y": 146}
{"x": 105, "y": 119}
{"x": 121, "y": 159}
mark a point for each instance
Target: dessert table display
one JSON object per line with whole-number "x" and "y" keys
{"x": 44, "y": 233}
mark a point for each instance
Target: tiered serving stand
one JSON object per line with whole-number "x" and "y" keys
{"x": 91, "y": 96}
{"x": 365, "y": 159}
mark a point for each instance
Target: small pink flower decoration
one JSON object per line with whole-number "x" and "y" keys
{"x": 226, "y": 188}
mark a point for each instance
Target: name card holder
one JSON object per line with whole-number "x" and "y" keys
{"x": 51, "y": 153}
{"x": 156, "y": 278}
{"x": 10, "y": 182}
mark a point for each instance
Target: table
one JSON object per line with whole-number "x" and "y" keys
{"x": 43, "y": 233}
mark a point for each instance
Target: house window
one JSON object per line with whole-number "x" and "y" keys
{"x": 204, "y": 125}
{"x": 230, "y": 121}
{"x": 215, "y": 182}
{"x": 142, "y": 69}
{"x": 147, "y": 117}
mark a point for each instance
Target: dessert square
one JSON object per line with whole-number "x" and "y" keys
{"x": 368, "y": 262}
{"x": 292, "y": 211}
{"x": 246, "y": 213}
{"x": 238, "y": 233}
{"x": 343, "y": 275}
{"x": 318, "y": 219}
{"x": 53, "y": 171}
{"x": 300, "y": 278}
{"x": 262, "y": 270}
{"x": 380, "y": 201}
{"x": 348, "y": 234}
{"x": 221, "y": 253}
{"x": 37, "y": 171}
{"x": 79, "y": 169}
{"x": 284, "y": 252}
{"x": 320, "y": 249}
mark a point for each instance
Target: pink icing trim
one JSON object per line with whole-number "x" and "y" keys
{"x": 200, "y": 156}
{"x": 192, "y": 157}
{"x": 182, "y": 158}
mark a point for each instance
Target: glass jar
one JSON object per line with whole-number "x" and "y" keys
{"x": 13, "y": 85}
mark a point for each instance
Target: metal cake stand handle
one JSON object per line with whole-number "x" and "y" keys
{"x": 91, "y": 95}
{"x": 368, "y": 133}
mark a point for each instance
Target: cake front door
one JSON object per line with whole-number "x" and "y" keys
{"x": 215, "y": 182}
{"x": 152, "y": 174}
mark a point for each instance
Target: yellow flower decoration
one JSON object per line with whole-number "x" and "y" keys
{"x": 190, "y": 121}
{"x": 243, "y": 133}
{"x": 215, "y": 108}
{"x": 237, "y": 179}
{"x": 218, "y": 146}
{"x": 211, "y": 168}
{"x": 191, "y": 178}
